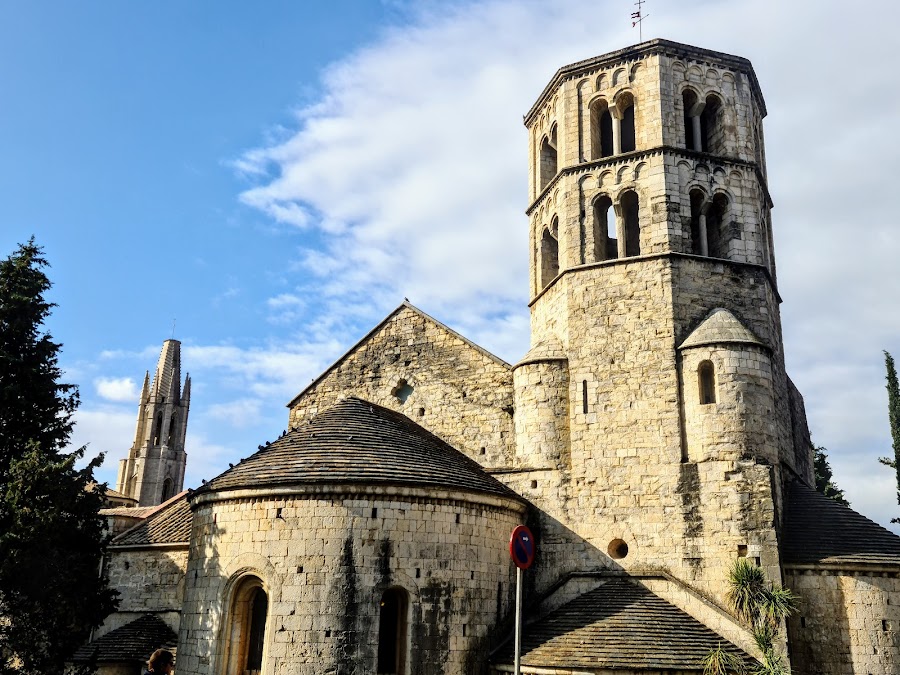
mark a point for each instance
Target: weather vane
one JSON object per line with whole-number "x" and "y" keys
{"x": 637, "y": 19}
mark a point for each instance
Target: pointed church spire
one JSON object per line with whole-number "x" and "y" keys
{"x": 145, "y": 390}
{"x": 154, "y": 468}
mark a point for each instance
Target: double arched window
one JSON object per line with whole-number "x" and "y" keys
{"x": 616, "y": 229}
{"x": 710, "y": 232}
{"x": 549, "y": 165}
{"x": 549, "y": 253}
{"x": 612, "y": 128}
{"x": 704, "y": 128}
{"x": 392, "y": 632}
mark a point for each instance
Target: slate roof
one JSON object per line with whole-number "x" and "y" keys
{"x": 620, "y": 625}
{"x": 550, "y": 349}
{"x": 169, "y": 524}
{"x": 134, "y": 641}
{"x": 819, "y": 530}
{"x": 720, "y": 326}
{"x": 360, "y": 442}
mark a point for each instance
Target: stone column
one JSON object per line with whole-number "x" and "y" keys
{"x": 617, "y": 131}
{"x": 620, "y": 230}
{"x": 704, "y": 241}
{"x": 698, "y": 141}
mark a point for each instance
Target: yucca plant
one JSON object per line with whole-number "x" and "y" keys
{"x": 762, "y": 606}
{"x": 747, "y": 589}
{"x": 719, "y": 661}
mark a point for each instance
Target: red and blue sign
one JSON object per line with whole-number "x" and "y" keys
{"x": 521, "y": 547}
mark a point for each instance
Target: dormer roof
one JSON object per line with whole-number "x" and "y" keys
{"x": 721, "y": 327}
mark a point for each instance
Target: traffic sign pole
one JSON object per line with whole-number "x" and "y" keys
{"x": 521, "y": 550}
{"x": 518, "y": 619}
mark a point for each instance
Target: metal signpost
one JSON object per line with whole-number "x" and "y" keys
{"x": 521, "y": 550}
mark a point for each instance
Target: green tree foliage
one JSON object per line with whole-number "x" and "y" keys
{"x": 51, "y": 535}
{"x": 894, "y": 420}
{"x": 763, "y": 607}
{"x": 824, "y": 482}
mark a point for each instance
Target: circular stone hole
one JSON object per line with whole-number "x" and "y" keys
{"x": 617, "y": 549}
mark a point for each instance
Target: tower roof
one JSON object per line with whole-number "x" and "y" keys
{"x": 634, "y": 52}
{"x": 720, "y": 326}
{"x": 549, "y": 349}
{"x": 168, "y": 370}
{"x": 362, "y": 443}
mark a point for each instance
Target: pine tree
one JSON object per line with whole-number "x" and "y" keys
{"x": 51, "y": 535}
{"x": 824, "y": 482}
{"x": 894, "y": 420}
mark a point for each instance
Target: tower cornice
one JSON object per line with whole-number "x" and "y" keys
{"x": 672, "y": 255}
{"x": 642, "y": 50}
{"x": 641, "y": 154}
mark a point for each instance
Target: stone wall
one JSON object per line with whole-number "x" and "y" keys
{"x": 326, "y": 559}
{"x": 149, "y": 579}
{"x": 417, "y": 366}
{"x": 849, "y": 621}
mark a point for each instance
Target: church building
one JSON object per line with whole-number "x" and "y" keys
{"x": 649, "y": 438}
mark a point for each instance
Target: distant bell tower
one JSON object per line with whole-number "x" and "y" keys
{"x": 154, "y": 469}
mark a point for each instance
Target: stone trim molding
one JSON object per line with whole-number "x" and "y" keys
{"x": 386, "y": 492}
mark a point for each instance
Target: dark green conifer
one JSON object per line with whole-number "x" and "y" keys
{"x": 51, "y": 535}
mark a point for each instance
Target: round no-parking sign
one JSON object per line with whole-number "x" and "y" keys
{"x": 521, "y": 547}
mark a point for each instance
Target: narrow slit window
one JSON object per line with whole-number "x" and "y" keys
{"x": 707, "y": 376}
{"x": 631, "y": 215}
{"x": 584, "y": 397}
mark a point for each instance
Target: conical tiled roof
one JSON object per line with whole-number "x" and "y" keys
{"x": 168, "y": 370}
{"x": 819, "y": 530}
{"x": 548, "y": 349}
{"x": 360, "y": 442}
{"x": 720, "y": 326}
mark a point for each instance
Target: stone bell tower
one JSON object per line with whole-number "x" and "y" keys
{"x": 656, "y": 354}
{"x": 154, "y": 469}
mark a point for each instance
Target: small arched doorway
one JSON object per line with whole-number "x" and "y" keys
{"x": 392, "y": 629}
{"x": 245, "y": 632}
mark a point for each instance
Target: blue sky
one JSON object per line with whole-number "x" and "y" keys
{"x": 278, "y": 176}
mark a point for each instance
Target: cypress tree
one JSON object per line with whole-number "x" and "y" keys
{"x": 894, "y": 420}
{"x": 824, "y": 481}
{"x": 51, "y": 535}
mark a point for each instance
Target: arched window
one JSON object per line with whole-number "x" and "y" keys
{"x": 699, "y": 245}
{"x": 549, "y": 258}
{"x": 604, "y": 230}
{"x": 630, "y": 215}
{"x": 626, "y": 123}
{"x": 549, "y": 166}
{"x": 711, "y": 128}
{"x": 171, "y": 439}
{"x": 246, "y": 632}
{"x": 706, "y": 375}
{"x": 157, "y": 428}
{"x": 691, "y": 121}
{"x": 392, "y": 650}
{"x": 717, "y": 234}
{"x": 167, "y": 489}
{"x": 601, "y": 130}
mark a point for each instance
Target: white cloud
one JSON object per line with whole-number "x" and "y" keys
{"x": 107, "y": 429}
{"x": 239, "y": 414}
{"x": 411, "y": 168}
{"x": 117, "y": 389}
